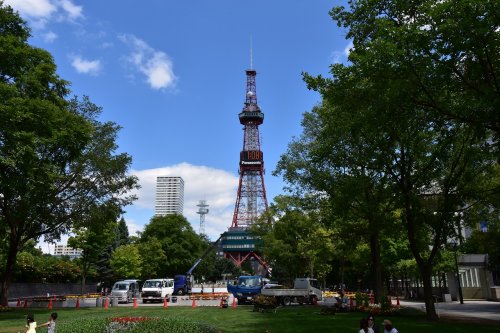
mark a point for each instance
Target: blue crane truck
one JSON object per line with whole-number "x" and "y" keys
{"x": 246, "y": 287}
{"x": 304, "y": 291}
{"x": 184, "y": 283}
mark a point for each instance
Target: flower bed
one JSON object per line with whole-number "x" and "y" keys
{"x": 135, "y": 325}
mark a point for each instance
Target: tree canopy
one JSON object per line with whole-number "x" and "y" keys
{"x": 406, "y": 131}
{"x": 58, "y": 162}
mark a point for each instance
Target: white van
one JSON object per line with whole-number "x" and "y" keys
{"x": 157, "y": 289}
{"x": 126, "y": 290}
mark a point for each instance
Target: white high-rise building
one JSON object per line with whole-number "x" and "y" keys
{"x": 169, "y": 195}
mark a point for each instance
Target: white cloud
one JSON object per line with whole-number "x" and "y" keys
{"x": 348, "y": 48}
{"x": 217, "y": 187}
{"x": 84, "y": 66}
{"x": 155, "y": 65}
{"x": 49, "y": 37}
{"x": 39, "y": 12}
{"x": 338, "y": 57}
{"x": 73, "y": 11}
{"x": 33, "y": 8}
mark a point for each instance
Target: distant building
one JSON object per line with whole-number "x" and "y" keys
{"x": 169, "y": 195}
{"x": 65, "y": 250}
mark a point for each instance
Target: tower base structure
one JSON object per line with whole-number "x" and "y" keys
{"x": 239, "y": 246}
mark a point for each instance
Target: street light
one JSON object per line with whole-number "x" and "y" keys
{"x": 461, "y": 297}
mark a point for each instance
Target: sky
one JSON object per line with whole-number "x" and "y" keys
{"x": 172, "y": 75}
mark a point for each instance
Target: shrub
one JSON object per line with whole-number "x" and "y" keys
{"x": 265, "y": 302}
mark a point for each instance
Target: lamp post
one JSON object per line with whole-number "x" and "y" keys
{"x": 460, "y": 296}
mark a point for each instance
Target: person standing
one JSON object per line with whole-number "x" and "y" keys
{"x": 371, "y": 324}
{"x": 30, "y": 324}
{"x": 388, "y": 328}
{"x": 51, "y": 324}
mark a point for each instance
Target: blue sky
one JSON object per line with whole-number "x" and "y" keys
{"x": 172, "y": 74}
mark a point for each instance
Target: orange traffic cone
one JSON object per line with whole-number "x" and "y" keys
{"x": 165, "y": 303}
{"x": 18, "y": 303}
{"x": 25, "y": 303}
{"x": 193, "y": 305}
{"x": 135, "y": 303}
{"x": 234, "y": 303}
{"x": 106, "y": 303}
{"x": 77, "y": 306}
{"x": 397, "y": 301}
{"x": 50, "y": 305}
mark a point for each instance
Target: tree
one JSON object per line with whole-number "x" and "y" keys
{"x": 93, "y": 238}
{"x": 126, "y": 262}
{"x": 57, "y": 161}
{"x": 429, "y": 159}
{"x": 330, "y": 159}
{"x": 447, "y": 50}
{"x": 297, "y": 240}
{"x": 153, "y": 259}
{"x": 122, "y": 236}
{"x": 179, "y": 242}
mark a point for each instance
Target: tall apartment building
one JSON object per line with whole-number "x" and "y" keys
{"x": 169, "y": 195}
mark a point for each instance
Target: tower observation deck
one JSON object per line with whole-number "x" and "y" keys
{"x": 251, "y": 201}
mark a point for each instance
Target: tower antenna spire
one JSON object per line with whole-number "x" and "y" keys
{"x": 251, "y": 57}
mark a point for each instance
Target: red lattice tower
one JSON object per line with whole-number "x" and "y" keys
{"x": 251, "y": 201}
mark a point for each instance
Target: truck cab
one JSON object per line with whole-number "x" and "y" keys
{"x": 246, "y": 287}
{"x": 183, "y": 284}
{"x": 157, "y": 289}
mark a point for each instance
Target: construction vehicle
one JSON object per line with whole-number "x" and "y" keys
{"x": 305, "y": 291}
{"x": 246, "y": 287}
{"x": 183, "y": 284}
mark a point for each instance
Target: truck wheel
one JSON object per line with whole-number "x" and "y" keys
{"x": 286, "y": 301}
{"x": 180, "y": 292}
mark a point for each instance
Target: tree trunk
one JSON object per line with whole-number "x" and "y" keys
{"x": 376, "y": 265}
{"x": 9, "y": 270}
{"x": 430, "y": 308}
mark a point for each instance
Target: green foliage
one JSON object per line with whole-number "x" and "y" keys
{"x": 297, "y": 240}
{"x": 58, "y": 162}
{"x": 403, "y": 137}
{"x": 173, "y": 325}
{"x": 264, "y": 302}
{"x": 153, "y": 258}
{"x": 148, "y": 325}
{"x": 32, "y": 268}
{"x": 179, "y": 243}
{"x": 126, "y": 262}
{"x": 93, "y": 239}
{"x": 82, "y": 325}
{"x": 362, "y": 300}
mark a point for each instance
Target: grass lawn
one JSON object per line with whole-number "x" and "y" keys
{"x": 243, "y": 319}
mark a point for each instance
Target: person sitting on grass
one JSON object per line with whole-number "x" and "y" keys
{"x": 363, "y": 326}
{"x": 388, "y": 328}
{"x": 51, "y": 324}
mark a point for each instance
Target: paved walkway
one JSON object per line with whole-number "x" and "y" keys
{"x": 470, "y": 309}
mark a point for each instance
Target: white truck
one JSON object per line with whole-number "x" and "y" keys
{"x": 305, "y": 290}
{"x": 155, "y": 290}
